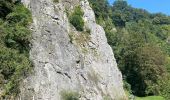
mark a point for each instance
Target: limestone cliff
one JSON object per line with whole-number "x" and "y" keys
{"x": 68, "y": 60}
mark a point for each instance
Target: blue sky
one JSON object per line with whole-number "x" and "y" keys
{"x": 152, "y": 6}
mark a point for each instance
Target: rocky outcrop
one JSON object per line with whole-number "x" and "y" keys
{"x": 66, "y": 60}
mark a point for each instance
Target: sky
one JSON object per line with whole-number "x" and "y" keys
{"x": 153, "y": 6}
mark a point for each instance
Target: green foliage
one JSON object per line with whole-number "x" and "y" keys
{"x": 17, "y": 33}
{"x": 147, "y": 64}
{"x": 160, "y": 19}
{"x": 14, "y": 66}
{"x": 140, "y": 60}
{"x": 69, "y": 95}
{"x": 56, "y": 1}
{"x": 20, "y": 16}
{"x": 107, "y": 98}
{"x": 127, "y": 87}
{"x": 5, "y": 7}
{"x": 18, "y": 38}
{"x": 123, "y": 13}
{"x": 76, "y": 19}
{"x": 14, "y": 43}
{"x": 141, "y": 46}
{"x": 150, "y": 98}
{"x": 110, "y": 30}
{"x": 101, "y": 8}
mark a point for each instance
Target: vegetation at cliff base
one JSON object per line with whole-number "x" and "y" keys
{"x": 55, "y": 1}
{"x": 150, "y": 98}
{"x": 141, "y": 46}
{"x": 69, "y": 95}
{"x": 14, "y": 43}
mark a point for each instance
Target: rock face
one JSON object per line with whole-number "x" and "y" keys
{"x": 67, "y": 61}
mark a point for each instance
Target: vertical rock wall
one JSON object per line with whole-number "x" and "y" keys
{"x": 69, "y": 61}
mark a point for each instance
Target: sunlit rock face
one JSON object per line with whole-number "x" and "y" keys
{"x": 66, "y": 60}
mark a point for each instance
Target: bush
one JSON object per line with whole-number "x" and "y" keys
{"x": 76, "y": 19}
{"x": 14, "y": 66}
{"x": 55, "y": 1}
{"x": 6, "y": 7}
{"x": 14, "y": 43}
{"x": 17, "y": 33}
{"x": 18, "y": 38}
{"x": 20, "y": 16}
{"x": 69, "y": 95}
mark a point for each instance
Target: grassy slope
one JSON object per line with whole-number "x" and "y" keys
{"x": 150, "y": 98}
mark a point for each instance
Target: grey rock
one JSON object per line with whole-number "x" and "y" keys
{"x": 87, "y": 67}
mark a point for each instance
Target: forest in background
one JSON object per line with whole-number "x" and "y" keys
{"x": 141, "y": 44}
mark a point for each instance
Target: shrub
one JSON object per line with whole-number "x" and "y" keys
{"x": 55, "y": 1}
{"x": 76, "y": 19}
{"x": 18, "y": 38}
{"x": 6, "y": 7}
{"x": 70, "y": 95}
{"x": 20, "y": 16}
{"x": 13, "y": 66}
{"x": 14, "y": 43}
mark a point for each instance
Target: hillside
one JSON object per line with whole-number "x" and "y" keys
{"x": 141, "y": 46}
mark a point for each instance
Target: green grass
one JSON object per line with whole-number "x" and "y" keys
{"x": 150, "y": 98}
{"x": 146, "y": 98}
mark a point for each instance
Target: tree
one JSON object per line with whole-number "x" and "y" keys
{"x": 122, "y": 13}
{"x": 101, "y": 8}
{"x": 148, "y": 65}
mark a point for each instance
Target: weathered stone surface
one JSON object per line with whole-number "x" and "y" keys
{"x": 86, "y": 65}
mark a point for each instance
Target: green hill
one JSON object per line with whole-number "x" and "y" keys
{"x": 141, "y": 45}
